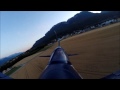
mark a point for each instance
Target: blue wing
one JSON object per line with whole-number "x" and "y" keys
{"x": 3, "y": 76}
{"x": 115, "y": 75}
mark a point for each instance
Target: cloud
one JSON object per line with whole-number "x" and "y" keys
{"x": 95, "y": 11}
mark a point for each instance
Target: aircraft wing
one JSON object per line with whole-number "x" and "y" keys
{"x": 3, "y": 76}
{"x": 50, "y": 55}
{"x": 72, "y": 54}
{"x": 115, "y": 75}
{"x": 45, "y": 56}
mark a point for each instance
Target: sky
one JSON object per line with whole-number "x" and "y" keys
{"x": 19, "y": 30}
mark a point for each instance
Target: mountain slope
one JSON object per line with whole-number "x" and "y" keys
{"x": 4, "y": 60}
{"x": 77, "y": 22}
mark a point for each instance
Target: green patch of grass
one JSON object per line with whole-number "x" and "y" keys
{"x": 12, "y": 70}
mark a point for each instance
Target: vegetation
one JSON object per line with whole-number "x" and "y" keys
{"x": 20, "y": 57}
{"x": 12, "y": 70}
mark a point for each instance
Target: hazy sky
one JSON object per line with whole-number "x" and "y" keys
{"x": 20, "y": 29}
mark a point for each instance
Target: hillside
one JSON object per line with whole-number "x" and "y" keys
{"x": 98, "y": 54}
{"x": 8, "y": 58}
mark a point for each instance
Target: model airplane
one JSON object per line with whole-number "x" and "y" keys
{"x": 59, "y": 66}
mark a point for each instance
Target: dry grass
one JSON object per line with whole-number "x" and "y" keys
{"x": 99, "y": 54}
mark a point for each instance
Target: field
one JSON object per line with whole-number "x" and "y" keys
{"x": 98, "y": 54}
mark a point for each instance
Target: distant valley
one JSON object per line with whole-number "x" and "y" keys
{"x": 5, "y": 59}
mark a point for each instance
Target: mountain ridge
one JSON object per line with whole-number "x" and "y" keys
{"x": 79, "y": 21}
{"x": 5, "y": 59}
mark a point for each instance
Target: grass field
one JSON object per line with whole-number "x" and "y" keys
{"x": 98, "y": 54}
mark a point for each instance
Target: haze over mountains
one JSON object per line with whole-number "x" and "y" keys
{"x": 5, "y": 59}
